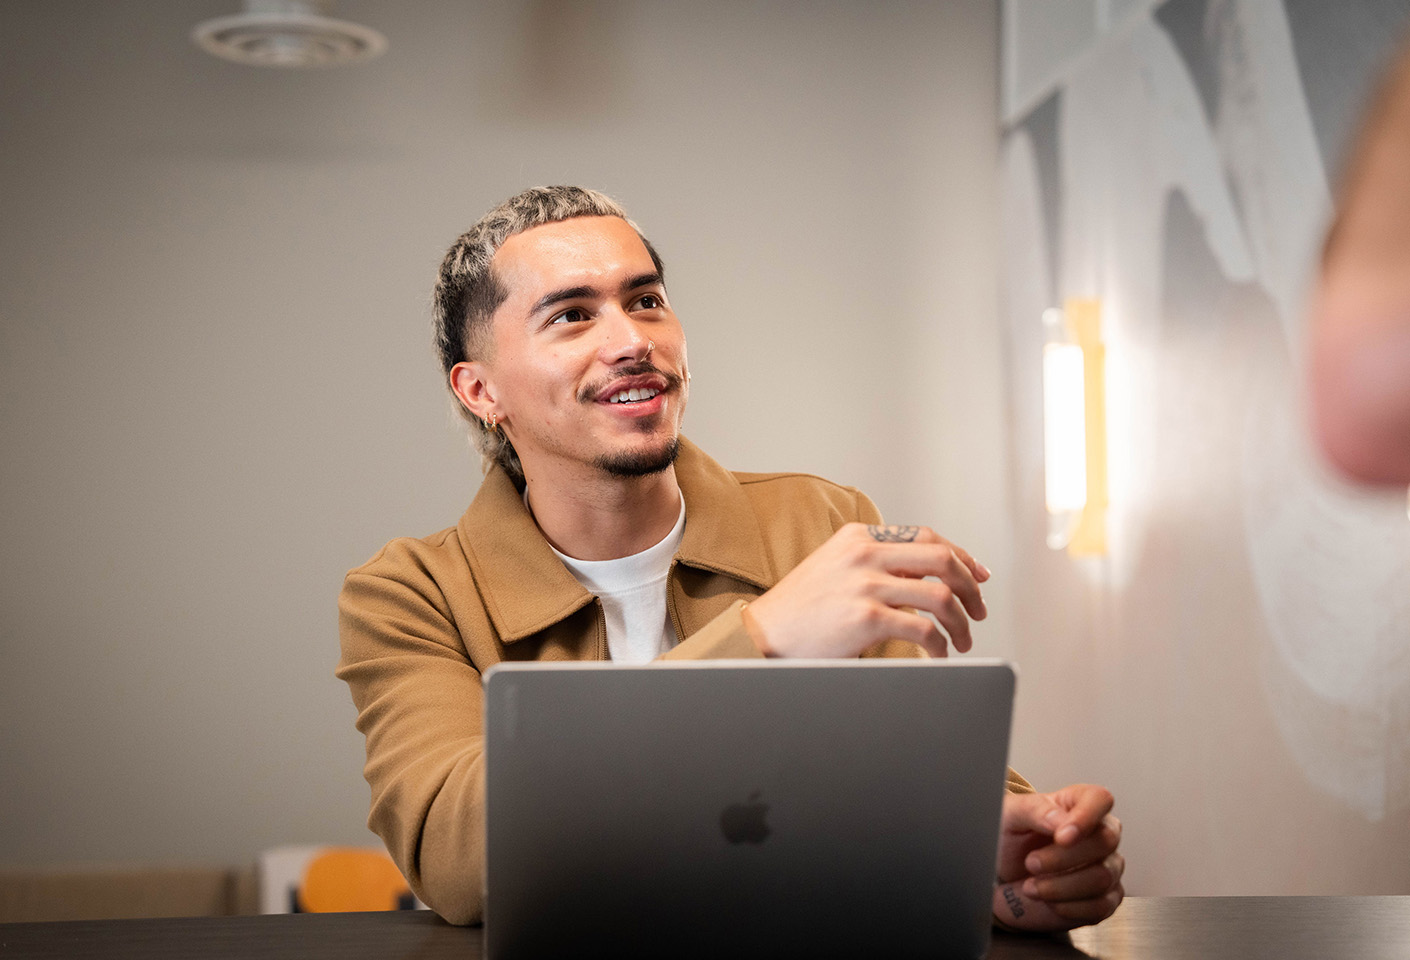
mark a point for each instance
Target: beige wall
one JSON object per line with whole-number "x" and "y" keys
{"x": 216, "y": 388}
{"x": 217, "y": 394}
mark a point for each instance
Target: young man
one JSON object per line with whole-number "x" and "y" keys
{"x": 599, "y": 532}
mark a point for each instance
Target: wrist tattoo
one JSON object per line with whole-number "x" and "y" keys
{"x": 892, "y": 534}
{"x": 1012, "y": 899}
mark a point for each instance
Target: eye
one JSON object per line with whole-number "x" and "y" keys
{"x": 571, "y": 315}
{"x": 650, "y": 301}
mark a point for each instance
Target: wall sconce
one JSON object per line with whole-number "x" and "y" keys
{"x": 1074, "y": 427}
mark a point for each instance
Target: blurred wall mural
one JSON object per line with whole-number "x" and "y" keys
{"x": 1251, "y": 619}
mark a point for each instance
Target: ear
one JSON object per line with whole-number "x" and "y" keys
{"x": 469, "y": 380}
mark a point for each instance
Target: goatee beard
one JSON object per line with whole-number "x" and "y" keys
{"x": 640, "y": 463}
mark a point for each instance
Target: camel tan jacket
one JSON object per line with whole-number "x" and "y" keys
{"x": 423, "y": 619}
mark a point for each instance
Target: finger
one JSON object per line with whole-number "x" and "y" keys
{"x": 910, "y": 534}
{"x": 1018, "y": 910}
{"x": 884, "y": 622}
{"x": 956, "y": 623}
{"x": 952, "y": 618}
{"x": 1084, "y": 884}
{"x": 899, "y": 533}
{"x": 980, "y": 572}
{"x": 1080, "y": 912}
{"x": 1086, "y": 805}
{"x": 939, "y": 560}
{"x": 935, "y": 598}
{"x": 1028, "y": 813}
{"x": 1054, "y": 859}
{"x": 976, "y": 569}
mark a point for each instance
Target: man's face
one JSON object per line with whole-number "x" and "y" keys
{"x": 589, "y": 360}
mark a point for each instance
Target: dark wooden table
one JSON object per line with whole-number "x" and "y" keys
{"x": 1150, "y": 928}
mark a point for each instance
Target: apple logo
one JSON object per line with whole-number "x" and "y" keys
{"x": 744, "y": 822}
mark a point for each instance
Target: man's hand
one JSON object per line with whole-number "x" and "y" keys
{"x": 1058, "y": 865}
{"x": 854, "y": 591}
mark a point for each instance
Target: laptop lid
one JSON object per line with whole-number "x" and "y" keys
{"x": 743, "y": 808}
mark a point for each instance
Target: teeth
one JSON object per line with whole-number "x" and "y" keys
{"x": 635, "y": 393}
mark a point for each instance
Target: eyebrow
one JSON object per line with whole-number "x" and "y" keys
{"x": 558, "y": 296}
{"x": 573, "y": 293}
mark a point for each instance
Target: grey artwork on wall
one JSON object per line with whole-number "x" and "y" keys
{"x": 1178, "y": 163}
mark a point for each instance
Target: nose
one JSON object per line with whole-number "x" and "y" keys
{"x": 625, "y": 340}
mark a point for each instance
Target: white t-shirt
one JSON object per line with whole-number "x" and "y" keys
{"x": 633, "y": 594}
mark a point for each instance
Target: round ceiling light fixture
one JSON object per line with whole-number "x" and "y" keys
{"x": 288, "y": 33}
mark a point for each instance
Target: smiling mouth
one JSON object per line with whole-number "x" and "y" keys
{"x": 634, "y": 395}
{"x": 638, "y": 383}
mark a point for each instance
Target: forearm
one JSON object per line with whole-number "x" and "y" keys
{"x": 433, "y": 823}
{"x": 419, "y": 702}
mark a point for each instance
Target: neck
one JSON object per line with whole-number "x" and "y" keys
{"x": 602, "y": 517}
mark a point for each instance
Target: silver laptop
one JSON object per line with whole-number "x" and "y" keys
{"x": 744, "y": 808}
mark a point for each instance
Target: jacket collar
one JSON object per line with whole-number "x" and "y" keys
{"x": 722, "y": 534}
{"x": 527, "y": 589}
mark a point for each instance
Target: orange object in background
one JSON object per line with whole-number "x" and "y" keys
{"x": 349, "y": 879}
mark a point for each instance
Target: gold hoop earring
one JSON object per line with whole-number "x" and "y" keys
{"x": 492, "y": 422}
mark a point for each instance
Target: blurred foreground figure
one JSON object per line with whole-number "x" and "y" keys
{"x": 1360, "y": 363}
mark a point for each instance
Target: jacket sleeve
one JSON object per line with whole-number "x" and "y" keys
{"x": 723, "y": 638}
{"x": 419, "y": 701}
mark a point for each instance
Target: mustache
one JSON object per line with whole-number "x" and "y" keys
{"x": 590, "y": 393}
